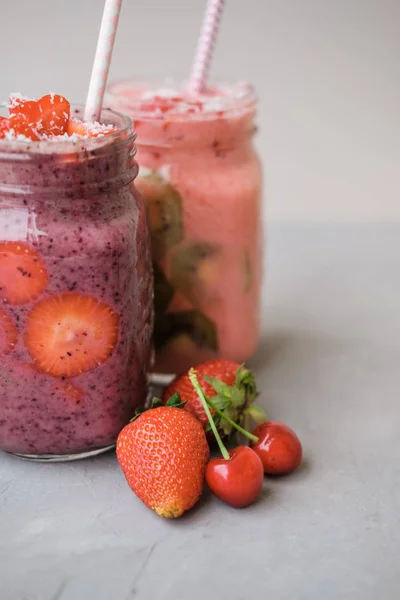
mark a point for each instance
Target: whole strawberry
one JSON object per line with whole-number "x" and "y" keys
{"x": 163, "y": 454}
{"x": 230, "y": 387}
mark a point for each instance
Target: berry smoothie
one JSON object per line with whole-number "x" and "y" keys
{"x": 201, "y": 179}
{"x": 76, "y": 284}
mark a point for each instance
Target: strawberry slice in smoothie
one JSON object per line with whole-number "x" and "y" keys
{"x": 70, "y": 334}
{"x": 23, "y": 276}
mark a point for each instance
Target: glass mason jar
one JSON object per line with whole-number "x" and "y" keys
{"x": 76, "y": 293}
{"x": 201, "y": 178}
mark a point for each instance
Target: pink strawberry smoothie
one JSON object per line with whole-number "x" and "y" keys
{"x": 201, "y": 179}
{"x": 76, "y": 292}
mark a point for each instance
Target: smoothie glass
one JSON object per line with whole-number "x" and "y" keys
{"x": 201, "y": 179}
{"x": 76, "y": 293}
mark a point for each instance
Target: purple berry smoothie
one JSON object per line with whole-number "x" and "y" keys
{"x": 72, "y": 202}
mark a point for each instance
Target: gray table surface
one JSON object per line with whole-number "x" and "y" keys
{"x": 329, "y": 365}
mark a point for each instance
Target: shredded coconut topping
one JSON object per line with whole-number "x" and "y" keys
{"x": 15, "y": 99}
{"x": 50, "y": 122}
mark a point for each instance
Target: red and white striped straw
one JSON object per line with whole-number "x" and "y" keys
{"x": 102, "y": 60}
{"x": 205, "y": 47}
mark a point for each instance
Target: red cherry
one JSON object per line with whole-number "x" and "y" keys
{"x": 278, "y": 447}
{"x": 237, "y": 481}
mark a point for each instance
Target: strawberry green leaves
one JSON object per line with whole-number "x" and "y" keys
{"x": 175, "y": 401}
{"x": 234, "y": 401}
{"x": 256, "y": 414}
{"x": 245, "y": 380}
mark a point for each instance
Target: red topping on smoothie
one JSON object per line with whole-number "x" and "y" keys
{"x": 173, "y": 103}
{"x": 46, "y": 118}
{"x": 23, "y": 276}
{"x": 34, "y": 119}
{"x": 5, "y": 126}
{"x": 54, "y": 114}
{"x": 24, "y": 117}
{"x": 164, "y": 105}
{"x": 70, "y": 334}
{"x": 21, "y": 126}
{"x": 8, "y": 334}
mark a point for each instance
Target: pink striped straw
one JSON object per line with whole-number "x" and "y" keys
{"x": 205, "y": 47}
{"x": 102, "y": 60}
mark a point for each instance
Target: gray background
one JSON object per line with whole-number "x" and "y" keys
{"x": 328, "y": 79}
{"x": 327, "y": 73}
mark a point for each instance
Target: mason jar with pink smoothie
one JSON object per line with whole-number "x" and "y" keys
{"x": 76, "y": 287}
{"x": 201, "y": 179}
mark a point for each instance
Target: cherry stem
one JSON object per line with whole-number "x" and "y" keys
{"x": 203, "y": 399}
{"x": 244, "y": 432}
